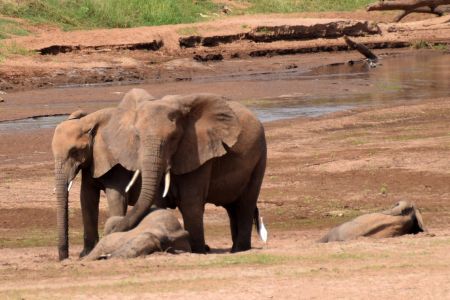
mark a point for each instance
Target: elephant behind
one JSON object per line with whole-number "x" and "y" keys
{"x": 403, "y": 218}
{"x": 160, "y": 230}
{"x": 78, "y": 148}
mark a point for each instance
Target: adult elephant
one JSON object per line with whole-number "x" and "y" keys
{"x": 78, "y": 145}
{"x": 214, "y": 150}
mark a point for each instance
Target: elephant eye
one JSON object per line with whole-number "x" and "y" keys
{"x": 73, "y": 151}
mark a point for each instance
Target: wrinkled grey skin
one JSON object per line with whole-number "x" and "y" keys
{"x": 78, "y": 146}
{"x": 214, "y": 149}
{"x": 158, "y": 231}
{"x": 403, "y": 218}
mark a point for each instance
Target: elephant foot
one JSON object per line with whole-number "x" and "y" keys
{"x": 86, "y": 251}
{"x": 200, "y": 249}
{"x": 236, "y": 249}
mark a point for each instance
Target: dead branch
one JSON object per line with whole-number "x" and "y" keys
{"x": 410, "y": 6}
{"x": 361, "y": 49}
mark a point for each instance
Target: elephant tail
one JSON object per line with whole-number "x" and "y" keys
{"x": 262, "y": 231}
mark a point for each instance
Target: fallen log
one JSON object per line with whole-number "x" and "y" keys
{"x": 410, "y": 6}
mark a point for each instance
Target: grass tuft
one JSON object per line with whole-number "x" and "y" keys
{"x": 11, "y": 49}
{"x": 245, "y": 259}
{"x": 10, "y": 28}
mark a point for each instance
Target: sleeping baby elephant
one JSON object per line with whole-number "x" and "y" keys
{"x": 158, "y": 231}
{"x": 403, "y": 218}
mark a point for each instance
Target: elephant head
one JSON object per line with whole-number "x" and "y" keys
{"x": 175, "y": 134}
{"x": 406, "y": 208}
{"x": 78, "y": 144}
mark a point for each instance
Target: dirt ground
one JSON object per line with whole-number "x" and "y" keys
{"x": 321, "y": 172}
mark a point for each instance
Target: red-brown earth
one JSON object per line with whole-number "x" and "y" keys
{"x": 321, "y": 171}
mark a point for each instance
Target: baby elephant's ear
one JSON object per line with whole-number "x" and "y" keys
{"x": 77, "y": 115}
{"x": 419, "y": 218}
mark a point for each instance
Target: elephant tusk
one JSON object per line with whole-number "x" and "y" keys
{"x": 70, "y": 186}
{"x": 262, "y": 230}
{"x": 166, "y": 183}
{"x": 132, "y": 181}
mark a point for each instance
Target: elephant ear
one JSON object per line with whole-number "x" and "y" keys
{"x": 400, "y": 208}
{"x": 77, "y": 115}
{"x": 133, "y": 98}
{"x": 118, "y": 141}
{"x": 419, "y": 218}
{"x": 210, "y": 129}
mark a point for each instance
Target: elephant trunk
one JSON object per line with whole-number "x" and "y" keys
{"x": 62, "y": 211}
{"x": 152, "y": 172}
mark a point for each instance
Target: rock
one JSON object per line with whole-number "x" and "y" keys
{"x": 226, "y": 10}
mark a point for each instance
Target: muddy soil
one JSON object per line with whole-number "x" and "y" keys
{"x": 321, "y": 171}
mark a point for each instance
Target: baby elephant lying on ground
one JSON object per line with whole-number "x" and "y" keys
{"x": 403, "y": 218}
{"x": 158, "y": 231}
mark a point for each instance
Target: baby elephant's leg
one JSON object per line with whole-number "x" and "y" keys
{"x": 176, "y": 242}
{"x": 99, "y": 250}
{"x": 143, "y": 244}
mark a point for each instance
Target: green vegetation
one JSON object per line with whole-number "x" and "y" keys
{"x": 428, "y": 45}
{"x": 9, "y": 28}
{"x": 291, "y": 6}
{"x": 75, "y": 14}
{"x": 188, "y": 31}
{"x": 245, "y": 259}
{"x": 24, "y": 238}
{"x": 383, "y": 189}
{"x": 72, "y": 14}
{"x": 9, "y": 49}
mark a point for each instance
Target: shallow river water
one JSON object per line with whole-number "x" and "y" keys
{"x": 292, "y": 93}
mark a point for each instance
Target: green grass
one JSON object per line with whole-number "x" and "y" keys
{"x": 76, "y": 14}
{"x": 245, "y": 259}
{"x": 291, "y": 6}
{"x": 188, "y": 31}
{"x": 72, "y": 14}
{"x": 10, "y": 49}
{"x": 35, "y": 238}
{"x": 10, "y": 28}
{"x": 420, "y": 44}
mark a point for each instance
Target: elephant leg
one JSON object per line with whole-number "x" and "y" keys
{"x": 245, "y": 209}
{"x": 192, "y": 192}
{"x": 89, "y": 198}
{"x": 117, "y": 202}
{"x": 193, "y": 223}
{"x": 231, "y": 210}
{"x": 114, "y": 183}
{"x": 244, "y": 221}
